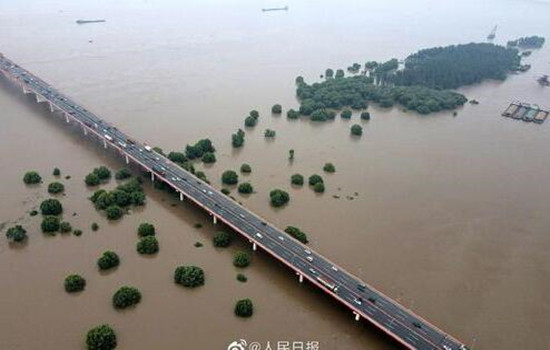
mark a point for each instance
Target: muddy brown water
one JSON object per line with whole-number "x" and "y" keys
{"x": 451, "y": 216}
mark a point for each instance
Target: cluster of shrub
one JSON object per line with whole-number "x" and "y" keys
{"x": 237, "y": 139}
{"x": 202, "y": 149}
{"x": 252, "y": 119}
{"x": 114, "y": 202}
{"x": 97, "y": 176}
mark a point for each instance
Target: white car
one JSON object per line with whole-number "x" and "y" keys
{"x": 334, "y": 268}
{"x": 312, "y": 271}
{"x": 358, "y": 301}
{"x": 148, "y": 148}
{"x": 307, "y": 251}
{"x": 281, "y": 238}
{"x": 259, "y": 235}
{"x": 309, "y": 258}
{"x": 122, "y": 144}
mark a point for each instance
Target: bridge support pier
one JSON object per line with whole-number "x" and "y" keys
{"x": 181, "y": 196}
{"x": 357, "y": 316}
{"x": 127, "y": 159}
{"x": 254, "y": 247}
{"x": 300, "y": 277}
{"x": 66, "y": 118}
{"x": 85, "y": 131}
{"x": 51, "y": 107}
{"x": 25, "y": 91}
{"x": 152, "y": 177}
{"x": 104, "y": 143}
{"x": 215, "y": 220}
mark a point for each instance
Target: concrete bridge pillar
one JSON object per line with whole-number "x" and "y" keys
{"x": 67, "y": 118}
{"x": 152, "y": 176}
{"x": 85, "y": 131}
{"x": 181, "y": 196}
{"x": 51, "y": 107}
{"x": 215, "y": 220}
{"x": 357, "y": 316}
{"x": 300, "y": 277}
{"x": 127, "y": 159}
{"x": 104, "y": 143}
{"x": 37, "y": 98}
{"x": 254, "y": 247}
{"x": 25, "y": 91}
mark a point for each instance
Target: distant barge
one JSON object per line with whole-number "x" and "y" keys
{"x": 526, "y": 112}
{"x": 275, "y": 9}
{"x": 84, "y": 21}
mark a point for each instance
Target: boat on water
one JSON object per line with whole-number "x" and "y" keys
{"x": 275, "y": 9}
{"x": 493, "y": 33}
{"x": 84, "y": 21}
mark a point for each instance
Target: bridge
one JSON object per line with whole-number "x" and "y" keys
{"x": 364, "y": 301}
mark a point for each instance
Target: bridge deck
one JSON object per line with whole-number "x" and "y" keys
{"x": 409, "y": 329}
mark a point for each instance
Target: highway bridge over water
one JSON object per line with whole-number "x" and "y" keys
{"x": 407, "y": 328}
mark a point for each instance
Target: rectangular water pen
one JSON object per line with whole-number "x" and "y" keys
{"x": 530, "y": 115}
{"x": 540, "y": 117}
{"x": 510, "y": 110}
{"x": 520, "y": 112}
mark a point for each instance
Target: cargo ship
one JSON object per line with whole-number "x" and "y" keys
{"x": 84, "y": 21}
{"x": 275, "y": 9}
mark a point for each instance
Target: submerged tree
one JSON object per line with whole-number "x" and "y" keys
{"x": 189, "y": 276}
{"x": 102, "y": 337}
{"x": 31, "y": 178}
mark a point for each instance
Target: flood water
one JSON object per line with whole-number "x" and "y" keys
{"x": 450, "y": 216}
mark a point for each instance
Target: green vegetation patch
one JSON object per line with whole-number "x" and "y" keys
{"x": 108, "y": 260}
{"x": 297, "y": 233}
{"x": 74, "y": 283}
{"x": 32, "y": 178}
{"x": 16, "y": 234}
{"x": 278, "y": 197}
{"x": 148, "y": 245}
{"x": 102, "y": 337}
{"x": 241, "y": 259}
{"x": 125, "y": 297}
{"x": 189, "y": 276}
{"x": 244, "y": 308}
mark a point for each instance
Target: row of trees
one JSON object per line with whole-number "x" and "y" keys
{"x": 318, "y": 99}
